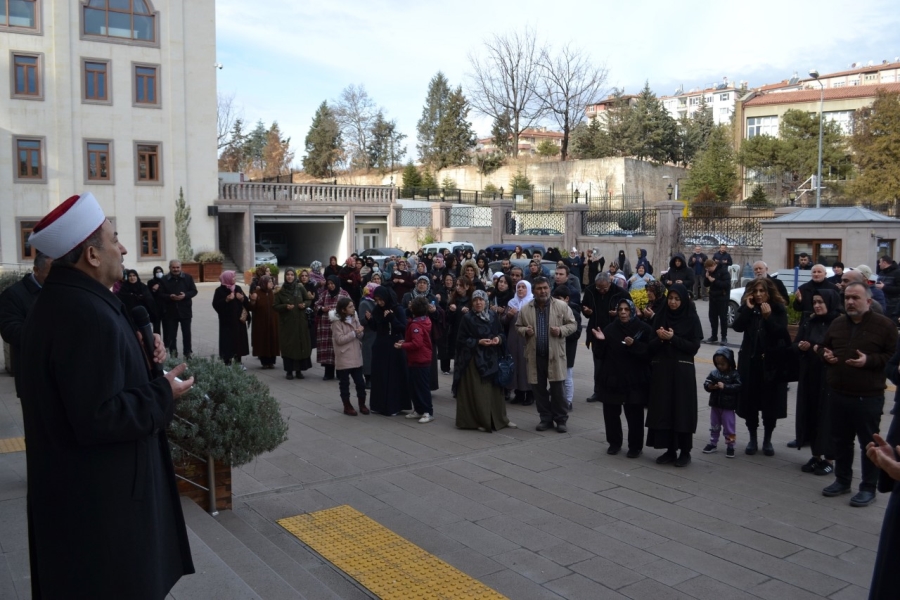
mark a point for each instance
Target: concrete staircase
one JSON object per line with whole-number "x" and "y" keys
{"x": 242, "y": 555}
{"x": 229, "y": 265}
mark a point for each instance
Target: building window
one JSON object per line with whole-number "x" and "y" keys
{"x": 18, "y": 14}
{"x": 29, "y": 160}
{"x": 119, "y": 19}
{"x": 146, "y": 85}
{"x": 762, "y": 126}
{"x": 839, "y": 84}
{"x": 26, "y": 76}
{"x": 844, "y": 119}
{"x": 26, "y": 252}
{"x": 695, "y": 101}
{"x": 148, "y": 163}
{"x": 708, "y": 98}
{"x": 823, "y": 252}
{"x": 98, "y": 163}
{"x": 96, "y": 80}
{"x": 724, "y": 97}
{"x": 151, "y": 236}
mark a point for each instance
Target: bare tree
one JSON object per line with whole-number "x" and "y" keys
{"x": 569, "y": 81}
{"x": 227, "y": 112}
{"x": 355, "y": 112}
{"x": 504, "y": 82}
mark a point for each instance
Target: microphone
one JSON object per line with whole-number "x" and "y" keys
{"x": 141, "y": 319}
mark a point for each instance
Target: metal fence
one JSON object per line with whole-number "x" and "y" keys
{"x": 714, "y": 230}
{"x": 535, "y": 199}
{"x": 617, "y": 201}
{"x": 619, "y": 222}
{"x": 413, "y": 217}
{"x": 534, "y": 222}
{"x": 468, "y": 216}
{"x": 449, "y": 195}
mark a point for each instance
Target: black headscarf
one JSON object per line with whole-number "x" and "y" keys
{"x": 833, "y": 301}
{"x": 633, "y": 325}
{"x": 131, "y": 288}
{"x": 502, "y": 298}
{"x": 683, "y": 321}
{"x": 387, "y": 295}
{"x": 337, "y": 285}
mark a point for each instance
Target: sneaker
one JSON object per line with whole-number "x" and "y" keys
{"x": 711, "y": 340}
{"x": 569, "y": 406}
{"x": 710, "y": 448}
{"x": 413, "y": 415}
{"x": 426, "y": 418}
{"x": 445, "y": 372}
{"x": 836, "y": 489}
{"x": 729, "y": 452}
{"x": 683, "y": 460}
{"x": 810, "y": 465}
{"x": 543, "y": 426}
{"x": 824, "y": 467}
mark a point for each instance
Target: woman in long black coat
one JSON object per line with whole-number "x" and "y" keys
{"x": 134, "y": 293}
{"x": 624, "y": 347}
{"x": 153, "y": 285}
{"x": 762, "y": 318}
{"x": 390, "y": 393}
{"x": 229, "y": 302}
{"x": 672, "y": 410}
{"x": 813, "y": 427}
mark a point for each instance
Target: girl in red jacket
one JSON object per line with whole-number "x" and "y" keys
{"x": 417, "y": 344}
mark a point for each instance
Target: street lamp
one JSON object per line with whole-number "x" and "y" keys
{"x": 669, "y": 190}
{"x": 815, "y": 75}
{"x": 793, "y": 197}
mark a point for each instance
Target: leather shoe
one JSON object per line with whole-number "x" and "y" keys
{"x": 633, "y": 453}
{"x": 792, "y": 444}
{"x": 543, "y": 426}
{"x": 561, "y": 428}
{"x": 836, "y": 489}
{"x": 668, "y": 457}
{"x": 684, "y": 459}
{"x": 862, "y": 498}
{"x": 593, "y": 398}
{"x": 768, "y": 449}
{"x": 751, "y": 448}
{"x": 613, "y": 450}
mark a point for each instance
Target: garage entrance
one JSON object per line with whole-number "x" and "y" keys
{"x": 297, "y": 241}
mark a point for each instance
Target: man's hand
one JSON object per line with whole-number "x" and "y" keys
{"x": 398, "y": 345}
{"x": 554, "y": 331}
{"x": 290, "y": 307}
{"x": 587, "y": 312}
{"x": 720, "y": 386}
{"x": 179, "y": 387}
{"x": 804, "y": 346}
{"x": 858, "y": 362}
{"x": 598, "y": 333}
{"x": 829, "y": 356}
{"x": 529, "y": 331}
{"x": 159, "y": 350}
{"x": 798, "y": 296}
{"x": 880, "y": 453}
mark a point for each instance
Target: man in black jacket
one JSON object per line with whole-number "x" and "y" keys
{"x": 599, "y": 305}
{"x": 717, "y": 280}
{"x": 889, "y": 283}
{"x": 696, "y": 261}
{"x": 175, "y": 293}
{"x": 722, "y": 256}
{"x": 15, "y": 304}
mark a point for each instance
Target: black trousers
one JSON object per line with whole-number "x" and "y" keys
{"x": 551, "y": 403}
{"x": 344, "y": 376}
{"x": 170, "y": 333}
{"x": 859, "y": 417}
{"x": 634, "y": 415}
{"x": 718, "y": 315}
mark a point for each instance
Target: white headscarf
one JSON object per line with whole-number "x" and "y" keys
{"x": 516, "y": 302}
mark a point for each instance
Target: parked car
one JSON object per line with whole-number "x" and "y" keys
{"x": 264, "y": 256}
{"x": 540, "y": 231}
{"x": 379, "y": 255}
{"x": 436, "y": 247}
{"x": 527, "y": 248}
{"x": 786, "y": 276}
{"x": 547, "y": 265}
{"x": 710, "y": 240}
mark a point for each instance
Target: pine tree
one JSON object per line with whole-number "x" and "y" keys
{"x": 411, "y": 178}
{"x": 277, "y": 153}
{"x": 694, "y": 131}
{"x": 547, "y": 149}
{"x": 652, "y": 132}
{"x": 182, "y": 225}
{"x": 435, "y": 106}
{"x": 502, "y": 134}
{"x": 323, "y": 144}
{"x": 758, "y": 198}
{"x": 519, "y": 183}
{"x": 714, "y": 168}
{"x": 876, "y": 145}
{"x": 428, "y": 180}
{"x": 386, "y": 147}
{"x": 453, "y": 138}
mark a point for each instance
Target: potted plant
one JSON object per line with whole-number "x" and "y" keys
{"x": 793, "y": 317}
{"x": 210, "y": 265}
{"x": 227, "y": 418}
{"x": 7, "y": 279}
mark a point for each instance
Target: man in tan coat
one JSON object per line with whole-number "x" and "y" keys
{"x": 544, "y": 323}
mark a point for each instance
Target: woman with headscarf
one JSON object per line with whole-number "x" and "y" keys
{"x": 402, "y": 280}
{"x": 762, "y": 318}
{"x": 229, "y": 303}
{"x": 672, "y": 410}
{"x": 484, "y": 273}
{"x": 624, "y": 264}
{"x": 258, "y": 274}
{"x": 640, "y": 279}
{"x": 327, "y": 301}
{"x": 479, "y": 398}
{"x": 333, "y": 268}
{"x": 457, "y": 308}
{"x": 350, "y": 279}
{"x": 153, "y": 285}
{"x": 435, "y": 315}
{"x": 624, "y": 346}
{"x": 447, "y": 344}
{"x": 656, "y": 301}
{"x": 264, "y": 327}
{"x": 515, "y": 345}
{"x": 813, "y": 427}
{"x": 305, "y": 280}
{"x": 452, "y": 262}
{"x": 316, "y": 279}
{"x": 291, "y": 301}
{"x": 390, "y": 393}
{"x": 500, "y": 294}
{"x": 367, "y": 307}
{"x": 134, "y": 293}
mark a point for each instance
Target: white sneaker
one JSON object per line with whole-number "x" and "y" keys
{"x": 413, "y": 415}
{"x": 426, "y": 418}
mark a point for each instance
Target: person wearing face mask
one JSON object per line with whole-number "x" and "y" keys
{"x": 157, "y": 315}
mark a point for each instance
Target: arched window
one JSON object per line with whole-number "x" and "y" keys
{"x": 120, "y": 19}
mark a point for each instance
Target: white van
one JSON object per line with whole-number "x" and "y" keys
{"x": 436, "y": 247}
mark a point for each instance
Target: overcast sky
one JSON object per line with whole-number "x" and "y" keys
{"x": 282, "y": 58}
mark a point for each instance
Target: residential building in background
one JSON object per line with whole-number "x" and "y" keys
{"x": 116, "y": 98}
{"x": 598, "y": 109}
{"x": 529, "y": 140}
{"x": 719, "y": 98}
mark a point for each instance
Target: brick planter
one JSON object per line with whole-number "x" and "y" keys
{"x": 195, "y": 470}
{"x": 192, "y": 269}
{"x": 210, "y": 271}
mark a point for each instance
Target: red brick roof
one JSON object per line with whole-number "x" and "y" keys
{"x": 862, "y": 69}
{"x": 842, "y": 93}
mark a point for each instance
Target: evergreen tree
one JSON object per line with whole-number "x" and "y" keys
{"x": 182, "y": 229}
{"x": 428, "y": 180}
{"x": 323, "y": 143}
{"x": 453, "y": 138}
{"x": 231, "y": 160}
{"x": 694, "y": 131}
{"x": 519, "y": 183}
{"x": 277, "y": 153}
{"x": 714, "y": 168}
{"x": 758, "y": 197}
{"x": 798, "y": 151}
{"x": 447, "y": 184}
{"x": 547, "y": 149}
{"x": 876, "y": 146}
{"x": 502, "y": 134}
{"x": 386, "y": 147}
{"x": 587, "y": 140}
{"x": 254, "y": 147}
{"x": 411, "y": 178}
{"x": 435, "y": 105}
{"x": 652, "y": 132}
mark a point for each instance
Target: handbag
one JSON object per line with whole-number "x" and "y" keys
{"x": 506, "y": 368}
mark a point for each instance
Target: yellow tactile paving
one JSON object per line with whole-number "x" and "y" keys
{"x": 388, "y": 565}
{"x": 12, "y": 445}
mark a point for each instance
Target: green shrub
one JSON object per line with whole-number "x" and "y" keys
{"x": 209, "y": 256}
{"x": 793, "y": 315}
{"x": 629, "y": 221}
{"x": 448, "y": 184}
{"x": 490, "y": 188}
{"x": 272, "y": 268}
{"x": 229, "y": 414}
{"x": 520, "y": 184}
{"x": 7, "y": 278}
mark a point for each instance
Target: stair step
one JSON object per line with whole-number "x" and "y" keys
{"x": 213, "y": 579}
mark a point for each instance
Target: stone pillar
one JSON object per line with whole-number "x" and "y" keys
{"x": 668, "y": 213}
{"x": 574, "y": 214}
{"x": 499, "y": 208}
{"x": 439, "y": 220}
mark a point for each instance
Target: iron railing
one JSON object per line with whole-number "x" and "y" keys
{"x": 714, "y": 230}
{"x": 619, "y": 222}
{"x": 295, "y": 192}
{"x": 617, "y": 201}
{"x": 532, "y": 222}
{"x": 468, "y": 216}
{"x": 413, "y": 217}
{"x": 210, "y": 487}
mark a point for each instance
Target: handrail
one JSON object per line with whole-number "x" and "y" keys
{"x": 210, "y": 475}
{"x": 302, "y": 192}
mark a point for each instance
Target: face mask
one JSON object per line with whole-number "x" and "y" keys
{"x": 159, "y": 275}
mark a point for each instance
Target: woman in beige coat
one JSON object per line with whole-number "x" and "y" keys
{"x": 347, "y": 333}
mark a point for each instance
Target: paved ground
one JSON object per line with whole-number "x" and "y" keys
{"x": 536, "y": 515}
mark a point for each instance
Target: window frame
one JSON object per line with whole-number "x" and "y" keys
{"x": 816, "y": 245}
{"x": 157, "y": 85}
{"x": 39, "y": 97}
{"x": 38, "y": 25}
{"x": 84, "y": 85}
{"x": 23, "y": 239}
{"x": 111, "y": 39}
{"x": 161, "y": 228}
{"x": 111, "y": 180}
{"x": 159, "y": 158}
{"x": 42, "y": 157}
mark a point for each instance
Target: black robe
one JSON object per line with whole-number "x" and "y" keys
{"x": 390, "y": 392}
{"x": 764, "y": 340}
{"x": 625, "y": 377}
{"x": 104, "y": 517}
{"x": 232, "y": 331}
{"x": 812, "y": 422}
